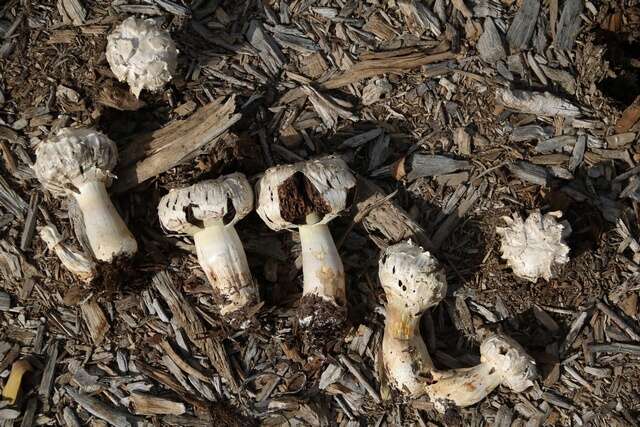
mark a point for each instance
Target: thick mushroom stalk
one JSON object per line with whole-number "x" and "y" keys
{"x": 414, "y": 281}
{"x": 308, "y": 195}
{"x": 535, "y": 247}
{"x": 78, "y": 163}
{"x": 142, "y": 54}
{"x": 208, "y": 211}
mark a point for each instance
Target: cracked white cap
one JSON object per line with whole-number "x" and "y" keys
{"x": 187, "y": 210}
{"x": 532, "y": 248}
{"x": 287, "y": 194}
{"x": 73, "y": 157}
{"x": 411, "y": 277}
{"x": 142, "y": 54}
{"x": 516, "y": 368}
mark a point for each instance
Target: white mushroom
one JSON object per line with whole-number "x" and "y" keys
{"x": 413, "y": 281}
{"x": 307, "y": 196}
{"x": 76, "y": 262}
{"x": 142, "y": 54}
{"x": 208, "y": 211}
{"x": 533, "y": 248}
{"x": 78, "y": 163}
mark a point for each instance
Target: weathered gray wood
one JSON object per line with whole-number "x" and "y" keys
{"x": 114, "y": 416}
{"x": 523, "y": 25}
{"x": 267, "y": 47}
{"x": 433, "y": 165}
{"x": 11, "y": 201}
{"x": 490, "y": 45}
{"x": 530, "y": 173}
{"x": 569, "y": 24}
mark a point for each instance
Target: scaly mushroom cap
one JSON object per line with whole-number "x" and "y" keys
{"x": 188, "y": 210}
{"x": 411, "y": 277}
{"x": 507, "y": 357}
{"x": 288, "y": 193}
{"x": 73, "y": 157}
{"x": 532, "y": 248}
{"x": 142, "y": 54}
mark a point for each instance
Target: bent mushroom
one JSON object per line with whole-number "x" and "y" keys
{"x": 78, "y": 163}
{"x": 142, "y": 54}
{"x": 535, "y": 247}
{"x": 208, "y": 211}
{"x": 307, "y": 196}
{"x": 413, "y": 281}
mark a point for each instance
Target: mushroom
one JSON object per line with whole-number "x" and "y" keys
{"x": 76, "y": 262}
{"x": 413, "y": 281}
{"x": 142, "y": 54}
{"x": 78, "y": 163}
{"x": 307, "y": 196}
{"x": 208, "y": 211}
{"x": 535, "y": 247}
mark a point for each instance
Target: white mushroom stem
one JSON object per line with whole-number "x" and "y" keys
{"x": 222, "y": 257}
{"x": 108, "y": 235}
{"x": 321, "y": 264}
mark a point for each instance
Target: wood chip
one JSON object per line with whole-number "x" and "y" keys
{"x": 96, "y": 322}
{"x": 146, "y": 404}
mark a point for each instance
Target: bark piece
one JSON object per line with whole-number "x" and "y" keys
{"x": 267, "y": 47}
{"x": 490, "y": 45}
{"x": 538, "y": 103}
{"x": 569, "y": 24}
{"x": 96, "y": 321}
{"x": 630, "y": 116}
{"x": 151, "y": 154}
{"x": 188, "y": 319}
{"x": 420, "y": 165}
{"x": 114, "y": 416}
{"x": 523, "y": 24}
{"x": 146, "y": 404}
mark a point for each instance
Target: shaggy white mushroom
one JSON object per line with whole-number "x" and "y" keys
{"x": 307, "y": 196}
{"x": 78, "y": 163}
{"x": 142, "y": 54}
{"x": 413, "y": 281}
{"x": 534, "y": 247}
{"x": 208, "y": 211}
{"x": 76, "y": 262}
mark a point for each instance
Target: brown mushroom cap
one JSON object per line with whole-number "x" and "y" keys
{"x": 188, "y": 210}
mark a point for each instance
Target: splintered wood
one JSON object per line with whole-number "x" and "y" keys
{"x": 146, "y": 156}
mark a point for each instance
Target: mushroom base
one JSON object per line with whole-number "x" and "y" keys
{"x": 320, "y": 321}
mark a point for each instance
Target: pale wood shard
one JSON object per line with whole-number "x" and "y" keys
{"x": 385, "y": 222}
{"x": 523, "y": 24}
{"x": 267, "y": 47}
{"x": 181, "y": 363}
{"x": 149, "y": 155}
{"x": 187, "y": 318}
{"x": 376, "y": 64}
{"x": 569, "y": 24}
{"x": 72, "y": 11}
{"x": 538, "y": 103}
{"x": 146, "y": 404}
{"x": 428, "y": 165}
{"x": 11, "y": 201}
{"x": 114, "y": 416}
{"x": 490, "y": 45}
{"x": 96, "y": 322}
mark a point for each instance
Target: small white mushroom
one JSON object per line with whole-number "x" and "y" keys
{"x": 413, "y": 281}
{"x": 78, "y": 163}
{"x": 76, "y": 262}
{"x": 534, "y": 247}
{"x": 208, "y": 211}
{"x": 307, "y": 195}
{"x": 142, "y": 54}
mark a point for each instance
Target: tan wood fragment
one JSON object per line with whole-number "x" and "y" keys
{"x": 96, "y": 321}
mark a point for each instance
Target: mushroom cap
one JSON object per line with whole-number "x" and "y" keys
{"x": 73, "y": 157}
{"x": 517, "y": 368}
{"x": 142, "y": 54}
{"x": 411, "y": 277}
{"x": 532, "y": 248}
{"x": 228, "y": 198}
{"x": 288, "y": 193}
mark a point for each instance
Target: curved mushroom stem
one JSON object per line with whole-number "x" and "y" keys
{"x": 108, "y": 234}
{"x": 321, "y": 264}
{"x": 405, "y": 354}
{"x": 222, "y": 257}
